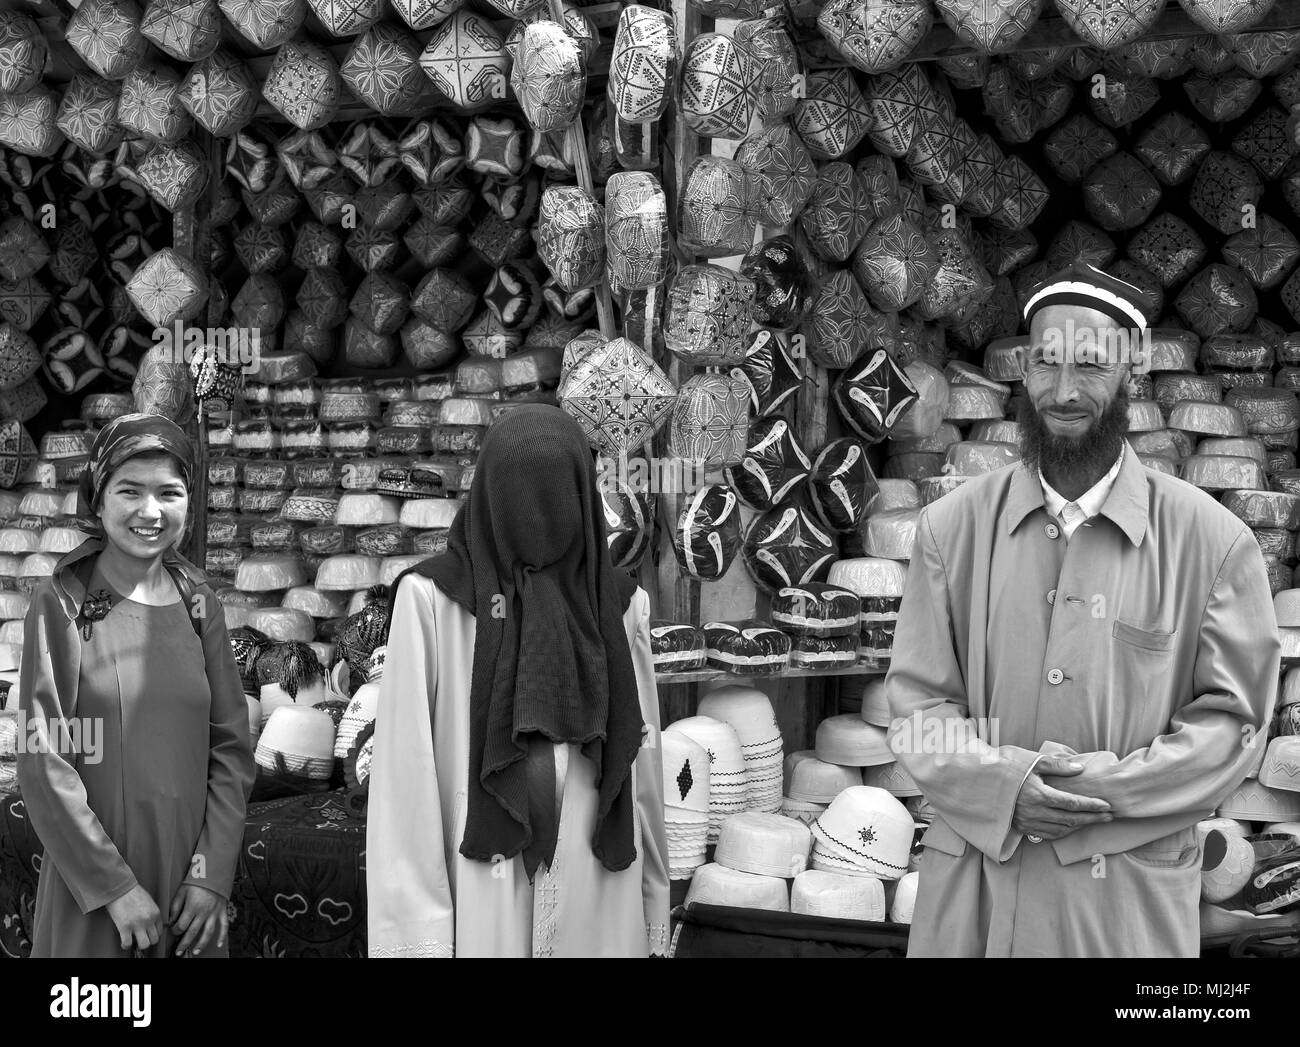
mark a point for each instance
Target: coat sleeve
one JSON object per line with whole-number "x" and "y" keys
{"x": 230, "y": 757}
{"x": 1210, "y": 744}
{"x": 410, "y": 912}
{"x": 969, "y": 782}
{"x": 649, "y": 789}
{"x": 53, "y": 793}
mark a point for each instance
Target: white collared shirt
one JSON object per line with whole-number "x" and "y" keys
{"x": 1086, "y": 506}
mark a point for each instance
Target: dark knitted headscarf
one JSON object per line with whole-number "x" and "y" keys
{"x": 527, "y": 556}
{"x": 125, "y": 437}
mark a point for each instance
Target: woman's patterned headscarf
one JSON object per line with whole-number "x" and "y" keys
{"x": 123, "y": 438}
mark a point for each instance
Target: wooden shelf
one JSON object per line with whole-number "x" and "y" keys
{"x": 712, "y": 675}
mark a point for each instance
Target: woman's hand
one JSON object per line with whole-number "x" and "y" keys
{"x": 137, "y": 919}
{"x": 198, "y": 915}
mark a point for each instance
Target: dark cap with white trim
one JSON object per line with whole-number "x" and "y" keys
{"x": 1088, "y": 287}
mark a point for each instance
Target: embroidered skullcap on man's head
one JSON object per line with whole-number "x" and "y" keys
{"x": 1087, "y": 286}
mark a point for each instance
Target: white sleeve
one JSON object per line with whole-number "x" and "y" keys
{"x": 649, "y": 788}
{"x": 410, "y": 911}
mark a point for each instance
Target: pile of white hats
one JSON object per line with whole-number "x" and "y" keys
{"x": 864, "y": 832}
{"x": 686, "y": 803}
{"x": 757, "y": 854}
{"x": 728, "y": 783}
{"x": 750, "y": 712}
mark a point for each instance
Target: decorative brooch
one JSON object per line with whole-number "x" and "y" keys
{"x": 95, "y": 609}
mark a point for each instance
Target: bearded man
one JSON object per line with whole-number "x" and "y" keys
{"x": 1095, "y": 643}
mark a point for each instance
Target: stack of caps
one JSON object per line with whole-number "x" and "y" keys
{"x": 686, "y": 803}
{"x": 892, "y": 777}
{"x": 879, "y": 584}
{"x": 764, "y": 845}
{"x": 750, "y": 713}
{"x": 864, "y": 832}
{"x": 822, "y": 619}
{"x": 850, "y": 741}
{"x": 676, "y": 647}
{"x": 1274, "y": 519}
{"x": 811, "y": 784}
{"x": 728, "y": 791}
{"x": 362, "y": 708}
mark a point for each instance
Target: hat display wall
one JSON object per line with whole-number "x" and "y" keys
{"x": 728, "y": 780}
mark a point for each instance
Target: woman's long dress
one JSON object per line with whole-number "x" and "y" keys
{"x": 426, "y": 899}
{"x": 143, "y": 679}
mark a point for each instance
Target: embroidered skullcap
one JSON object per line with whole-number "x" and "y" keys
{"x": 1085, "y": 285}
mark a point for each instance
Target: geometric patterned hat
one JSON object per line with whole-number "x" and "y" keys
{"x": 686, "y": 772}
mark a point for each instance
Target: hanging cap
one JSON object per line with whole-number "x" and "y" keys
{"x": 1087, "y": 286}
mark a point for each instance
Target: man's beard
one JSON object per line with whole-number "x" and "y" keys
{"x": 1092, "y": 451}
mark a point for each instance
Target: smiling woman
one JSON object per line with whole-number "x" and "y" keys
{"x": 140, "y": 845}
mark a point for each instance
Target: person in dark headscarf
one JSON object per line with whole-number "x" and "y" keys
{"x": 516, "y": 787}
{"x": 137, "y": 762}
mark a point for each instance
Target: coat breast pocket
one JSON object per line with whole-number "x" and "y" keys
{"x": 1132, "y": 635}
{"x": 1140, "y": 658}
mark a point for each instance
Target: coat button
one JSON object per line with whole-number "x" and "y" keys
{"x": 1051, "y": 596}
{"x": 1052, "y": 531}
{"x": 1055, "y": 676}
